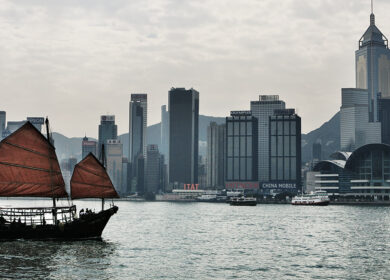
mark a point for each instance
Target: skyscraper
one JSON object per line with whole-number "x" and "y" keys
{"x": 241, "y": 151}
{"x": 114, "y": 155}
{"x": 152, "y": 170}
{"x": 107, "y": 130}
{"x": 216, "y": 136}
{"x": 183, "y": 106}
{"x": 355, "y": 128}
{"x": 164, "y": 132}
{"x": 137, "y": 139}
{"x": 2, "y": 123}
{"x": 285, "y": 151}
{"x": 88, "y": 146}
{"x": 262, "y": 110}
{"x": 373, "y": 67}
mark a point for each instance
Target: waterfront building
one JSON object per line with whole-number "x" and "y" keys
{"x": 137, "y": 138}
{"x": 362, "y": 174}
{"x": 164, "y": 132}
{"x": 114, "y": 155}
{"x": 317, "y": 151}
{"x": 384, "y": 118}
{"x": 125, "y": 169}
{"x": 12, "y": 126}
{"x": 284, "y": 154}
{"x": 216, "y": 136}
{"x": 2, "y": 122}
{"x": 355, "y": 128}
{"x": 107, "y": 130}
{"x": 241, "y": 151}
{"x": 153, "y": 169}
{"x": 262, "y": 110}
{"x": 37, "y": 122}
{"x": 88, "y": 146}
{"x": 183, "y": 106}
{"x": 372, "y": 62}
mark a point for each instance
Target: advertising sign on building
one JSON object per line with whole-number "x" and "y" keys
{"x": 241, "y": 185}
{"x": 279, "y": 185}
{"x": 36, "y": 120}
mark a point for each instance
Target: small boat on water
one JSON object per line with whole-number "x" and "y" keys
{"x": 319, "y": 198}
{"x": 243, "y": 201}
{"x": 29, "y": 168}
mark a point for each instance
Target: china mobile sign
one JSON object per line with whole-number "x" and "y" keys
{"x": 241, "y": 185}
{"x": 279, "y": 185}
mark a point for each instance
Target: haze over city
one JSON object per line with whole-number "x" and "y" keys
{"x": 76, "y": 60}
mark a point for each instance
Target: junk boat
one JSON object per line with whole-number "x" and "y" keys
{"x": 320, "y": 198}
{"x": 243, "y": 201}
{"x": 29, "y": 168}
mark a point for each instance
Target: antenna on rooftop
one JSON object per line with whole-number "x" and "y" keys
{"x": 372, "y": 6}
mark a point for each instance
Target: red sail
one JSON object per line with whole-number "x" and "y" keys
{"x": 90, "y": 180}
{"x": 29, "y": 165}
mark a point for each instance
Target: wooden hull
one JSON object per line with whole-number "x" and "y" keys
{"x": 89, "y": 226}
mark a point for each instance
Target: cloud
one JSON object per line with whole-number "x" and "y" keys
{"x": 75, "y": 60}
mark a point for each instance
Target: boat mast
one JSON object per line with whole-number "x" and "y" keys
{"x": 51, "y": 170}
{"x": 103, "y": 161}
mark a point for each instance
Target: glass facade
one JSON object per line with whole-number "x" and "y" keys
{"x": 241, "y": 148}
{"x": 285, "y": 148}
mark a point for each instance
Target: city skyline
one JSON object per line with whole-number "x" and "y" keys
{"x": 293, "y": 49}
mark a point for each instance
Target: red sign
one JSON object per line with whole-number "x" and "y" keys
{"x": 241, "y": 185}
{"x": 191, "y": 186}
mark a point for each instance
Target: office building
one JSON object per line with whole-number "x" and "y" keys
{"x": 285, "y": 152}
{"x": 384, "y": 119}
{"x": 108, "y": 130}
{"x": 2, "y": 122}
{"x": 164, "y": 132}
{"x": 317, "y": 151}
{"x": 241, "y": 151}
{"x": 262, "y": 110}
{"x": 37, "y": 122}
{"x": 216, "y": 136}
{"x": 153, "y": 169}
{"x": 373, "y": 67}
{"x": 355, "y": 128}
{"x": 183, "y": 106}
{"x": 88, "y": 146}
{"x": 114, "y": 155}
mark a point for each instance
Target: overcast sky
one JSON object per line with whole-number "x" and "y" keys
{"x": 76, "y": 60}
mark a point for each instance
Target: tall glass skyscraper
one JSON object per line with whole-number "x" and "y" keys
{"x": 373, "y": 67}
{"x": 107, "y": 130}
{"x": 183, "y": 106}
{"x": 262, "y": 110}
{"x": 137, "y": 140}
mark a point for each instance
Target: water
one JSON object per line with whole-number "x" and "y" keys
{"x": 157, "y": 240}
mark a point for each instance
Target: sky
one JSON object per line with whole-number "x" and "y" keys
{"x": 76, "y": 60}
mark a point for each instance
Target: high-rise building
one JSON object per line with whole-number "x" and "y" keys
{"x": 37, "y": 122}
{"x": 138, "y": 113}
{"x": 317, "y": 151}
{"x": 114, "y": 155}
{"x": 384, "y": 118}
{"x": 285, "y": 152}
{"x": 2, "y": 123}
{"x": 137, "y": 139}
{"x": 262, "y": 110}
{"x": 108, "y": 130}
{"x": 164, "y": 132}
{"x": 373, "y": 67}
{"x": 355, "y": 128}
{"x": 88, "y": 146}
{"x": 216, "y": 135}
{"x": 153, "y": 176}
{"x": 241, "y": 151}
{"x": 12, "y": 126}
{"x": 183, "y": 106}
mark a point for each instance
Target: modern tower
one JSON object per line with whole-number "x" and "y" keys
{"x": 216, "y": 137}
{"x": 373, "y": 67}
{"x": 164, "y": 132}
{"x": 2, "y": 122}
{"x": 137, "y": 140}
{"x": 262, "y": 110}
{"x": 108, "y": 130}
{"x": 88, "y": 146}
{"x": 152, "y": 170}
{"x": 183, "y": 106}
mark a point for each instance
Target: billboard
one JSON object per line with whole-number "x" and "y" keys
{"x": 110, "y": 118}
{"x": 279, "y": 185}
{"x": 242, "y": 185}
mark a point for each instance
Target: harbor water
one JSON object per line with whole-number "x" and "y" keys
{"x": 161, "y": 240}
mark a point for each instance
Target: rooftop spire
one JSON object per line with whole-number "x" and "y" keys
{"x": 372, "y": 16}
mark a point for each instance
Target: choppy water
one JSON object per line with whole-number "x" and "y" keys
{"x": 159, "y": 240}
